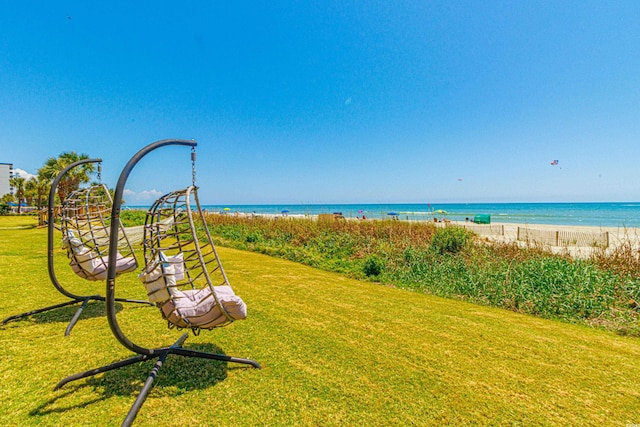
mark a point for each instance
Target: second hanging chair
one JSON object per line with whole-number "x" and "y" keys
{"x": 183, "y": 275}
{"x": 85, "y": 225}
{"x": 84, "y": 218}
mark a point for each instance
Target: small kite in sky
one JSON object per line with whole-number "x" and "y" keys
{"x": 556, "y": 163}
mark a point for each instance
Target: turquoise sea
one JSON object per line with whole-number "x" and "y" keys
{"x": 621, "y": 214}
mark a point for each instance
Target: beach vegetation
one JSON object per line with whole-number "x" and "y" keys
{"x": 373, "y": 266}
{"x": 450, "y": 240}
{"x": 36, "y": 190}
{"x": 17, "y": 182}
{"x": 602, "y": 291}
{"x": 7, "y": 198}
{"x": 132, "y": 217}
{"x": 73, "y": 179}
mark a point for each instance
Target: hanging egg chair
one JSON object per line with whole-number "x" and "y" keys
{"x": 85, "y": 225}
{"x": 84, "y": 220}
{"x": 183, "y": 276}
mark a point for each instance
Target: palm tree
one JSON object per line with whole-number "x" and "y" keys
{"x": 17, "y": 182}
{"x": 73, "y": 178}
{"x": 37, "y": 188}
{"x": 30, "y": 191}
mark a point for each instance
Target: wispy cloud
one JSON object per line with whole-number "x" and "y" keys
{"x": 23, "y": 174}
{"x": 145, "y": 196}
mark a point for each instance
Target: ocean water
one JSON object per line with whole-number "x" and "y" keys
{"x": 622, "y": 214}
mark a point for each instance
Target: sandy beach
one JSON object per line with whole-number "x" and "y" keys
{"x": 579, "y": 241}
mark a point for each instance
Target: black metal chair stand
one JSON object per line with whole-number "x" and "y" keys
{"x": 74, "y": 298}
{"x": 143, "y": 353}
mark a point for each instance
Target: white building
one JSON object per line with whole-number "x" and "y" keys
{"x": 6, "y": 172}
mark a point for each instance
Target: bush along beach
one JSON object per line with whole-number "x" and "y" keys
{"x": 603, "y": 290}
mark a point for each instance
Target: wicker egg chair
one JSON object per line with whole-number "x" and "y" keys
{"x": 183, "y": 276}
{"x": 84, "y": 220}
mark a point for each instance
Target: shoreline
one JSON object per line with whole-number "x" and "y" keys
{"x": 605, "y": 214}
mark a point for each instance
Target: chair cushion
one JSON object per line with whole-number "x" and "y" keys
{"x": 198, "y": 307}
{"x": 189, "y": 308}
{"x": 161, "y": 277}
{"x": 91, "y": 266}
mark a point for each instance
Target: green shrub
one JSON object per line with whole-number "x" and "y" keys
{"x": 5, "y": 209}
{"x": 132, "y": 217}
{"x": 373, "y": 266}
{"x": 253, "y": 237}
{"x": 450, "y": 240}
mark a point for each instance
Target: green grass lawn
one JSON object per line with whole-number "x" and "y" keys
{"x": 334, "y": 351}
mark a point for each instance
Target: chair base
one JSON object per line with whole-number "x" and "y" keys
{"x": 80, "y": 300}
{"x": 161, "y": 354}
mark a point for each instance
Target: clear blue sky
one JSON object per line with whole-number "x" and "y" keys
{"x": 332, "y": 101}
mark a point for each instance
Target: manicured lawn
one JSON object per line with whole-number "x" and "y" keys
{"x": 334, "y": 351}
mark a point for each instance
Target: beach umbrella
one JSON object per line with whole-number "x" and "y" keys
{"x": 285, "y": 211}
{"x": 393, "y": 213}
{"x": 226, "y": 209}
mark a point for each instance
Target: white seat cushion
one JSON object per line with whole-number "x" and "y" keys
{"x": 199, "y": 308}
{"x": 162, "y": 277}
{"x": 89, "y": 265}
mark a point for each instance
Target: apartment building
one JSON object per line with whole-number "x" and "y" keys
{"x": 6, "y": 173}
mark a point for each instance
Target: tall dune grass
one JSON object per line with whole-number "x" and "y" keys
{"x": 602, "y": 291}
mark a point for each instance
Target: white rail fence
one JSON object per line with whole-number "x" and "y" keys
{"x": 563, "y": 238}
